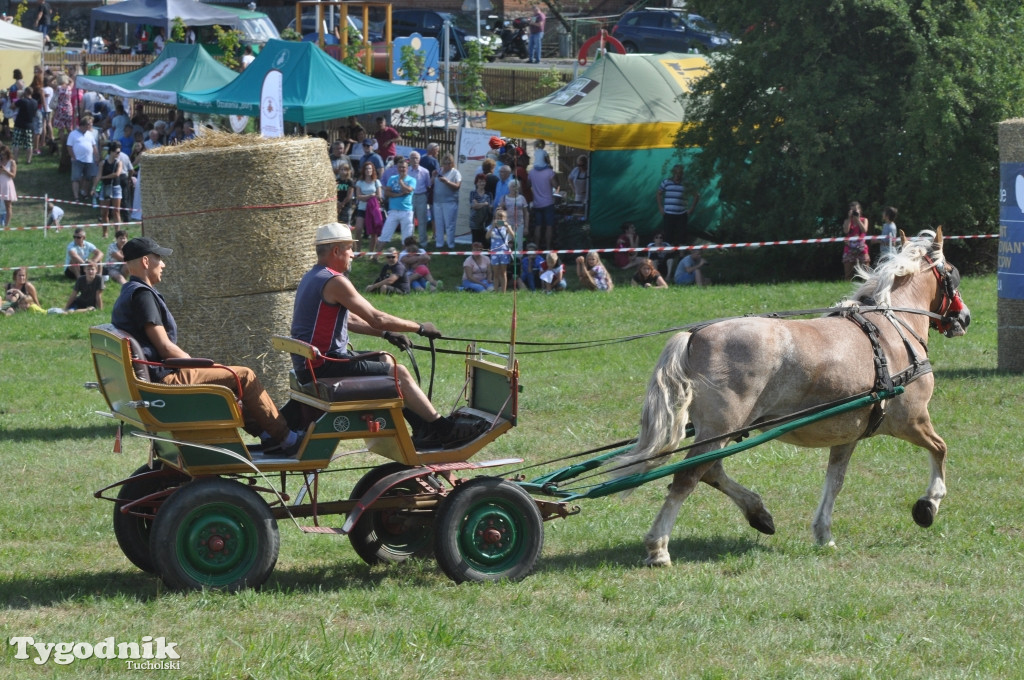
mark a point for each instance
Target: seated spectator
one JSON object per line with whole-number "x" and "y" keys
{"x": 552, "y": 273}
{"x": 78, "y": 252}
{"x": 476, "y": 271}
{"x": 627, "y": 239}
{"x": 392, "y": 279}
{"x": 530, "y": 264}
{"x": 416, "y": 260}
{"x": 593, "y": 275}
{"x": 663, "y": 259}
{"x": 689, "y": 270}
{"x": 19, "y": 282}
{"x": 16, "y": 301}
{"x": 114, "y": 254}
{"x": 88, "y": 292}
{"x": 647, "y": 276}
{"x": 500, "y": 237}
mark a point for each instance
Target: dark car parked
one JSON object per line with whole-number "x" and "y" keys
{"x": 668, "y": 30}
{"x": 430, "y": 24}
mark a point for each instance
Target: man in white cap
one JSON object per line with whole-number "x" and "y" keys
{"x": 328, "y": 306}
{"x": 141, "y": 312}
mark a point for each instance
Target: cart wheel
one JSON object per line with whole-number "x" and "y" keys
{"x": 390, "y": 536}
{"x": 132, "y": 531}
{"x": 214, "y": 533}
{"x": 488, "y": 529}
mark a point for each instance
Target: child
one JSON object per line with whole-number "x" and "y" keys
{"x": 16, "y": 301}
{"x": 501, "y": 253}
{"x": 552, "y": 273}
{"x": 627, "y": 239}
{"x": 415, "y": 260}
{"x": 114, "y": 254}
{"x": 593, "y": 275}
{"x": 8, "y": 170}
{"x": 531, "y": 266}
{"x": 88, "y": 292}
{"x": 55, "y": 215}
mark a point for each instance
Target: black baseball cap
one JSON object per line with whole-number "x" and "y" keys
{"x": 143, "y": 245}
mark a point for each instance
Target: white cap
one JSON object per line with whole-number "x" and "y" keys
{"x": 334, "y": 232}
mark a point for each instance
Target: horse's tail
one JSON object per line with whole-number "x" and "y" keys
{"x": 664, "y": 415}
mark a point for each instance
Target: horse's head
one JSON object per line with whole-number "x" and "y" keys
{"x": 948, "y": 304}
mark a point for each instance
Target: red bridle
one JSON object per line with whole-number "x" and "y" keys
{"x": 951, "y": 303}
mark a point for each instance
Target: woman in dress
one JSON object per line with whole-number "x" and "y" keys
{"x": 476, "y": 270}
{"x": 855, "y": 249}
{"x": 368, "y": 194}
{"x": 517, "y": 209}
{"x": 8, "y": 171}
{"x": 501, "y": 252}
{"x": 24, "y": 123}
{"x": 592, "y": 272}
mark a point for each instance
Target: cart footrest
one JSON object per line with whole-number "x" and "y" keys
{"x": 323, "y": 530}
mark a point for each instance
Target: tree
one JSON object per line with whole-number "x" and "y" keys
{"x": 879, "y": 101}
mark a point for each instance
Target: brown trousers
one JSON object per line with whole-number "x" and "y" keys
{"x": 258, "y": 408}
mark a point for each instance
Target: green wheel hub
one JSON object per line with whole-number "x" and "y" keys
{"x": 492, "y": 536}
{"x": 217, "y": 543}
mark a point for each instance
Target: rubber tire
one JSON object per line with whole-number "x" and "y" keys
{"x": 479, "y": 505}
{"x": 215, "y": 507}
{"x": 133, "y": 532}
{"x": 374, "y": 537}
{"x": 630, "y": 47}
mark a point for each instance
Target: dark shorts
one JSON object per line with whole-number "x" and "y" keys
{"x": 674, "y": 227}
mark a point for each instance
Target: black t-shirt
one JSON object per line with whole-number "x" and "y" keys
{"x": 87, "y": 290}
{"x": 398, "y": 269}
{"x": 27, "y": 107}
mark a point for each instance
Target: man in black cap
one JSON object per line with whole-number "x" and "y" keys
{"x": 141, "y": 312}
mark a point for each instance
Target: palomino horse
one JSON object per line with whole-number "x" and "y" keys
{"x": 742, "y": 372}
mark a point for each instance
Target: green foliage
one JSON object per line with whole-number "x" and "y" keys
{"x": 178, "y": 30}
{"x": 886, "y": 102}
{"x": 472, "y": 69}
{"x": 230, "y": 42}
{"x": 353, "y": 53}
{"x": 291, "y": 34}
{"x": 552, "y": 79}
{"x": 413, "y": 62}
{"x": 19, "y": 13}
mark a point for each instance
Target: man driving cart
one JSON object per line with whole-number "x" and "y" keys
{"x": 328, "y": 306}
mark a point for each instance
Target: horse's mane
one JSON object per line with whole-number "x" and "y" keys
{"x": 908, "y": 260}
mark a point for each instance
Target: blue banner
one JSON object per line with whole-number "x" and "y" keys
{"x": 428, "y": 47}
{"x": 1010, "y": 275}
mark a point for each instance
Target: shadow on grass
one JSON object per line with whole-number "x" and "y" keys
{"x": 683, "y": 550}
{"x": 960, "y": 373}
{"x": 25, "y": 435}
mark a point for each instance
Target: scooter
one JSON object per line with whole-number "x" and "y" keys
{"x": 513, "y": 39}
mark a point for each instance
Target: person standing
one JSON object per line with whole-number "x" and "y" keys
{"x": 44, "y": 17}
{"x": 544, "y": 183}
{"x": 536, "y": 36}
{"x": 26, "y": 108}
{"x": 446, "y": 202}
{"x": 889, "y": 231}
{"x": 419, "y": 197}
{"x": 398, "y": 189}
{"x": 8, "y": 194}
{"x": 672, "y": 203}
{"x": 85, "y": 152}
{"x": 387, "y": 138}
{"x": 855, "y": 248}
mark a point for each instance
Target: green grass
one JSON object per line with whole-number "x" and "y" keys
{"x": 892, "y": 601}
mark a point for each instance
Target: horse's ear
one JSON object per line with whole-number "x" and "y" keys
{"x": 938, "y": 237}
{"x": 903, "y": 238}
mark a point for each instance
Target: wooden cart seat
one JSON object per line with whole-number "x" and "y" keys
{"x": 361, "y": 388}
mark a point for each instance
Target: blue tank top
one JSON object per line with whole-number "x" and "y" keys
{"x": 323, "y": 325}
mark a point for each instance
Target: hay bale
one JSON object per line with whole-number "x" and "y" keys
{"x": 240, "y": 212}
{"x": 1010, "y": 312}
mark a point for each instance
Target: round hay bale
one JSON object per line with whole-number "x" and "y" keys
{"x": 240, "y": 212}
{"x": 1010, "y": 312}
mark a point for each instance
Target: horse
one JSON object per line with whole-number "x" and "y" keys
{"x": 729, "y": 376}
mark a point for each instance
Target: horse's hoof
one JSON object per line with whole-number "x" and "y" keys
{"x": 658, "y": 561}
{"x": 763, "y": 522}
{"x": 924, "y": 512}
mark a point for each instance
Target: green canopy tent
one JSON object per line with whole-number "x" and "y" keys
{"x": 178, "y": 68}
{"x": 316, "y": 87}
{"x": 626, "y": 111}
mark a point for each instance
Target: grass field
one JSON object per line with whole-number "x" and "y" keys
{"x": 891, "y": 601}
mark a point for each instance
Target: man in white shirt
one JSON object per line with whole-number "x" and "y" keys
{"x": 85, "y": 152}
{"x": 154, "y": 140}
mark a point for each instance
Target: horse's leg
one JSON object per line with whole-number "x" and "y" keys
{"x": 927, "y": 506}
{"x": 749, "y": 503}
{"x": 656, "y": 540}
{"x": 838, "y": 459}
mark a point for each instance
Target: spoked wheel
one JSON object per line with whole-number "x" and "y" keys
{"x": 132, "y": 532}
{"x": 390, "y": 536}
{"x": 488, "y": 529}
{"x": 215, "y": 533}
